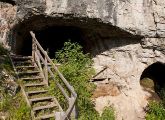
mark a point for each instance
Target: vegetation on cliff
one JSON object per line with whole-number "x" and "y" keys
{"x": 156, "y": 108}
{"x": 76, "y": 68}
{"x": 12, "y": 107}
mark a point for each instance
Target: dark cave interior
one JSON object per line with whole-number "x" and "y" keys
{"x": 9, "y": 1}
{"x": 155, "y": 72}
{"x": 52, "y": 39}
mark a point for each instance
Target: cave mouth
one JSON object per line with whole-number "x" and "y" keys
{"x": 9, "y": 1}
{"x": 52, "y": 32}
{"x": 51, "y": 39}
{"x": 153, "y": 77}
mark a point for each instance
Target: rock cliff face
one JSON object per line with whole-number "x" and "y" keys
{"x": 142, "y": 17}
{"x": 125, "y": 36}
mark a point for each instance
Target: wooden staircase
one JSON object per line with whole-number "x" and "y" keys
{"x": 34, "y": 73}
{"x": 43, "y": 105}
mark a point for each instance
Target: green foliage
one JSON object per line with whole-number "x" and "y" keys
{"x": 155, "y": 111}
{"x": 108, "y": 114}
{"x": 162, "y": 95}
{"x": 2, "y": 50}
{"x": 20, "y": 113}
{"x": 5, "y": 62}
{"x": 5, "y": 103}
{"x": 16, "y": 107}
{"x": 76, "y": 68}
{"x": 54, "y": 90}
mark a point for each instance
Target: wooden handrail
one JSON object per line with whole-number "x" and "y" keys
{"x": 36, "y": 49}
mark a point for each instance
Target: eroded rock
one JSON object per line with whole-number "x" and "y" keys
{"x": 125, "y": 36}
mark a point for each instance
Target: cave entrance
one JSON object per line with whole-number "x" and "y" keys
{"x": 52, "y": 32}
{"x": 52, "y": 39}
{"x": 153, "y": 77}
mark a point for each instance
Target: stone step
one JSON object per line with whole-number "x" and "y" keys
{"x": 46, "y": 116}
{"x": 40, "y": 99}
{"x": 44, "y": 107}
{"x": 34, "y": 85}
{"x": 37, "y": 92}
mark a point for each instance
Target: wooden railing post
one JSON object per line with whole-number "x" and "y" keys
{"x": 74, "y": 113}
{"x": 41, "y": 59}
{"x": 46, "y": 70}
{"x": 33, "y": 50}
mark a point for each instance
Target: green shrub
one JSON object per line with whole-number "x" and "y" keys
{"x": 108, "y": 114}
{"x": 3, "y": 51}
{"x": 155, "y": 111}
{"x": 76, "y": 68}
{"x": 5, "y": 62}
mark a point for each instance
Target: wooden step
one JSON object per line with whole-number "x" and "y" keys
{"x": 34, "y": 85}
{"x": 44, "y": 107}
{"x": 37, "y": 92}
{"x": 46, "y": 116}
{"x": 28, "y": 72}
{"x": 19, "y": 67}
{"x": 40, "y": 99}
{"x": 20, "y": 63}
{"x": 32, "y": 78}
{"x": 14, "y": 55}
{"x": 21, "y": 58}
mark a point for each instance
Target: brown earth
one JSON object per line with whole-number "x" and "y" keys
{"x": 106, "y": 90}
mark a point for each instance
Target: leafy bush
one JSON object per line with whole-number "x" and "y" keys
{"x": 76, "y": 68}
{"x": 155, "y": 111}
{"x": 2, "y": 50}
{"x": 5, "y": 62}
{"x": 108, "y": 114}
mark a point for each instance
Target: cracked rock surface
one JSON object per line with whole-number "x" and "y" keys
{"x": 125, "y": 36}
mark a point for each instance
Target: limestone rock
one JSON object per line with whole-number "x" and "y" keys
{"x": 125, "y": 36}
{"x": 139, "y": 17}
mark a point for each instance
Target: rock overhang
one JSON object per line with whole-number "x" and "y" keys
{"x": 136, "y": 17}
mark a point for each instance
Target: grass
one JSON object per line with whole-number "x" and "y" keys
{"x": 16, "y": 107}
{"x": 76, "y": 67}
{"x": 5, "y": 62}
{"x": 155, "y": 109}
{"x": 108, "y": 114}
